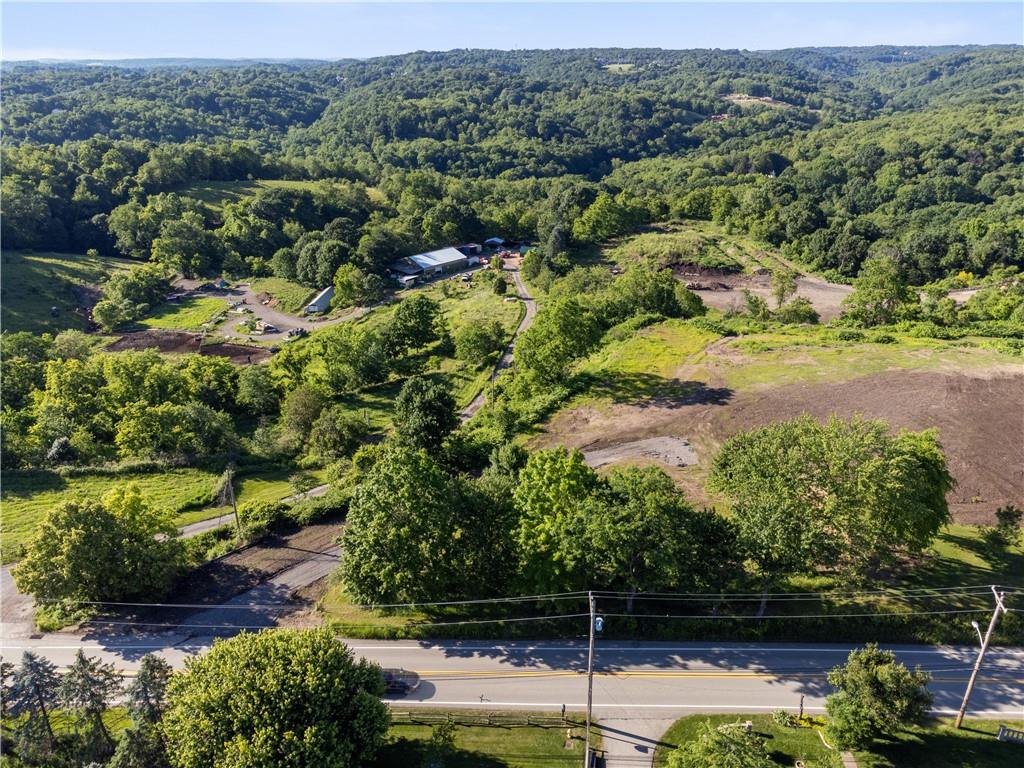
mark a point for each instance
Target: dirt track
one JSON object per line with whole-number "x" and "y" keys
{"x": 980, "y": 419}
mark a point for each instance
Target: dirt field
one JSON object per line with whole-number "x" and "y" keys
{"x": 980, "y": 418}
{"x": 725, "y": 292}
{"x": 670, "y": 451}
{"x": 222, "y": 579}
{"x": 181, "y": 342}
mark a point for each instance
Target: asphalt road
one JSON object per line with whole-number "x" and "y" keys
{"x": 641, "y": 680}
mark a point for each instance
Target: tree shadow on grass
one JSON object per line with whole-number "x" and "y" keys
{"x": 647, "y": 390}
{"x": 407, "y": 753}
{"x": 946, "y": 748}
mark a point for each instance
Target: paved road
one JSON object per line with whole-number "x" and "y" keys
{"x": 506, "y": 359}
{"x": 633, "y": 680}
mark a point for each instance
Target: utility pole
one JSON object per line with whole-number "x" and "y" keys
{"x": 230, "y": 488}
{"x": 1000, "y": 608}
{"x": 590, "y": 680}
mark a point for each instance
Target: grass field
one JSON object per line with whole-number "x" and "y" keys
{"x": 483, "y": 746}
{"x": 35, "y": 282}
{"x": 216, "y": 194}
{"x": 188, "y": 314}
{"x": 293, "y": 297}
{"x": 937, "y": 745}
{"x": 26, "y": 496}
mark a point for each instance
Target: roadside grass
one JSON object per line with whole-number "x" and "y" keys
{"x": 216, "y": 194}
{"x": 292, "y": 296}
{"x": 484, "y": 746}
{"x": 35, "y": 282}
{"x": 785, "y": 745}
{"x": 188, "y": 314}
{"x": 935, "y": 745}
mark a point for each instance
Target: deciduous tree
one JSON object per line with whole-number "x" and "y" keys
{"x": 282, "y": 697}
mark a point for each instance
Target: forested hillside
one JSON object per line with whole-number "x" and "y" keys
{"x": 828, "y": 152}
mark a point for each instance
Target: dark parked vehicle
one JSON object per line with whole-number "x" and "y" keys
{"x": 400, "y": 681}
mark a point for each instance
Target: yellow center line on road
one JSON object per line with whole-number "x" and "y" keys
{"x": 445, "y": 673}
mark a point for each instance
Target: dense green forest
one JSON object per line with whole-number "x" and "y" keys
{"x": 832, "y": 153}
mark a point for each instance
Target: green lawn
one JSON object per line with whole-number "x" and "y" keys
{"x": 25, "y": 496}
{"x": 293, "y": 297}
{"x": 482, "y": 746}
{"x": 786, "y": 745}
{"x": 189, "y": 314}
{"x": 35, "y": 282}
{"x": 936, "y": 745}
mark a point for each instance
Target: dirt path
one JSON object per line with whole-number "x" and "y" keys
{"x": 506, "y": 358}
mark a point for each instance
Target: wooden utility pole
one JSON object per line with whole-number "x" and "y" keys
{"x": 590, "y": 680}
{"x": 229, "y": 486}
{"x": 1000, "y": 608}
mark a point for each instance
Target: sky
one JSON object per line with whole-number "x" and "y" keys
{"x": 325, "y": 30}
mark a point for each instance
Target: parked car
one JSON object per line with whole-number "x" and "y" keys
{"x": 401, "y": 681}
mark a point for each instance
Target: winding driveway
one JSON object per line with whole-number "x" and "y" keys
{"x": 506, "y": 358}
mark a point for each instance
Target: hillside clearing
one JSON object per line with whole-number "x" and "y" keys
{"x": 705, "y": 392}
{"x": 33, "y": 283}
{"x": 188, "y": 314}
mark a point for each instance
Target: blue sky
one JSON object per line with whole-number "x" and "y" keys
{"x": 339, "y": 30}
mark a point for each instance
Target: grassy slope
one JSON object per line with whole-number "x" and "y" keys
{"x": 26, "y": 496}
{"x": 188, "y": 314}
{"x": 35, "y": 282}
{"x": 690, "y": 242}
{"x": 934, "y": 746}
{"x": 293, "y": 297}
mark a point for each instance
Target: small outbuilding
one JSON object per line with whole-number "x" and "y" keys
{"x": 322, "y": 302}
{"x": 494, "y": 242}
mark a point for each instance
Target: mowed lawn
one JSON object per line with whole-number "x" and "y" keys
{"x": 188, "y": 314}
{"x": 936, "y": 745}
{"x": 33, "y": 283}
{"x": 481, "y": 746}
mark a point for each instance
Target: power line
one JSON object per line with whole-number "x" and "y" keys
{"x": 892, "y": 614}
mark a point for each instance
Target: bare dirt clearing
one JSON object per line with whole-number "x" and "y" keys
{"x": 181, "y": 342}
{"x": 726, "y": 292}
{"x": 979, "y": 415}
{"x": 671, "y": 451}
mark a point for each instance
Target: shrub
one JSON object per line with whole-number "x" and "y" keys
{"x": 260, "y": 517}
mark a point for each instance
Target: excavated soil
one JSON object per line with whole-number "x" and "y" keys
{"x": 181, "y": 342}
{"x": 980, "y": 419}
